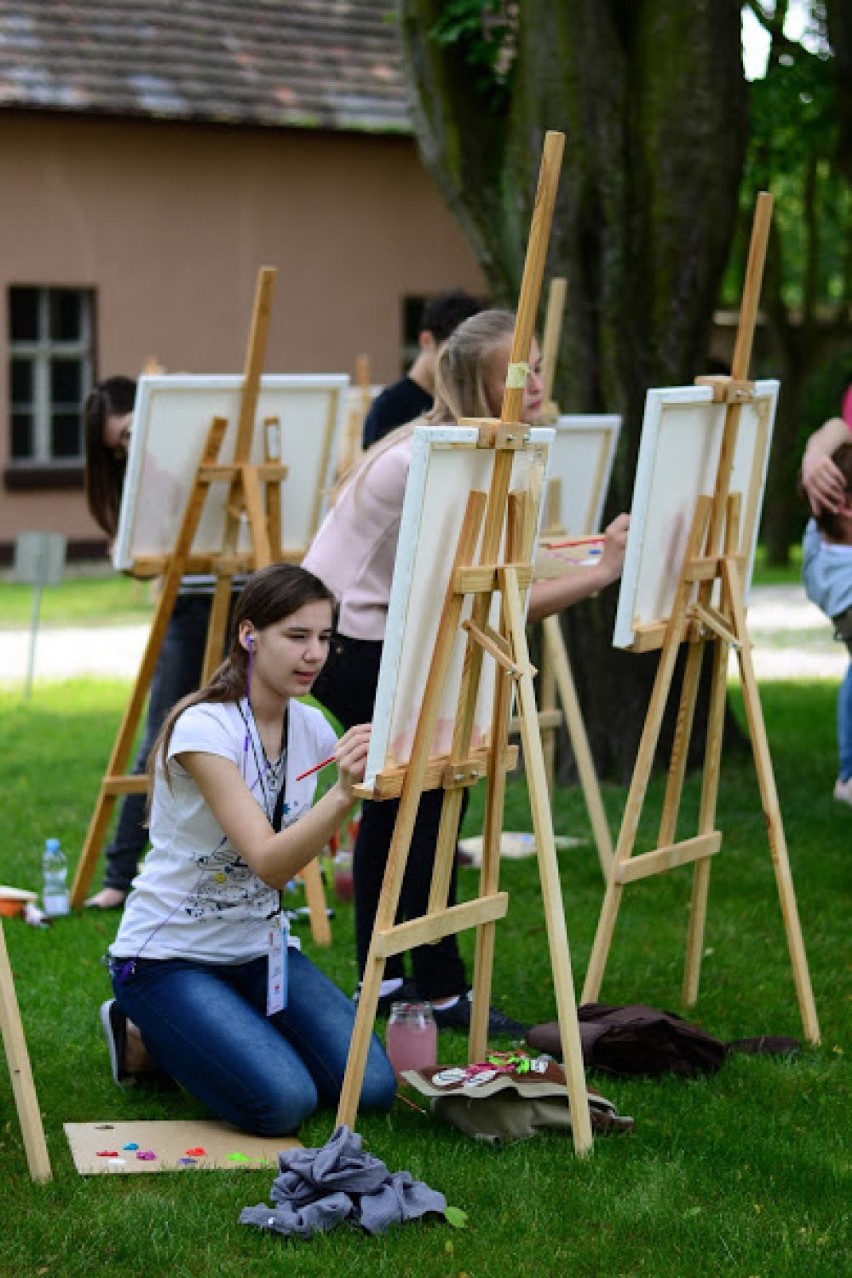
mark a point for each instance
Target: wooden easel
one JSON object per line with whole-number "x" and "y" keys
{"x": 555, "y": 677}
{"x": 491, "y": 514}
{"x": 353, "y": 430}
{"x": 245, "y": 505}
{"x": 20, "y": 1072}
{"x": 713, "y": 559}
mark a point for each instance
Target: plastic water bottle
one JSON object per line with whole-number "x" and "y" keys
{"x": 55, "y": 871}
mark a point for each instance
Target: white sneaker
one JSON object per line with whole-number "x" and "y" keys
{"x": 843, "y": 791}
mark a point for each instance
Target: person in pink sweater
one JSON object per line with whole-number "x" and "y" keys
{"x": 354, "y": 553}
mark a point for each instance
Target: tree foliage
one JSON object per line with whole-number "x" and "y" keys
{"x": 795, "y": 151}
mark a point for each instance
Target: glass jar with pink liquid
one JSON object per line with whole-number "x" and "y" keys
{"x": 411, "y": 1039}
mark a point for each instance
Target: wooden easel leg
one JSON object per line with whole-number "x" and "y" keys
{"x": 644, "y": 761}
{"x": 680, "y": 744}
{"x": 365, "y": 1018}
{"x": 489, "y": 874}
{"x": 546, "y": 705}
{"x": 771, "y": 809}
{"x": 120, "y": 756}
{"x": 217, "y": 628}
{"x": 558, "y": 659}
{"x": 17, "y": 1057}
{"x": 706, "y": 822}
{"x": 551, "y": 890}
{"x": 311, "y": 876}
{"x": 630, "y": 820}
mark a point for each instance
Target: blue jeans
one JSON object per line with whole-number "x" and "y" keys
{"x": 177, "y": 673}
{"x": 844, "y": 724}
{"x": 205, "y": 1024}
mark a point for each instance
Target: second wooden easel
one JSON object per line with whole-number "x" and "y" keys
{"x": 490, "y": 519}
{"x": 248, "y": 485}
{"x": 712, "y": 567}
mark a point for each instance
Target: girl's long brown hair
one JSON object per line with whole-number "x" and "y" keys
{"x": 105, "y": 469}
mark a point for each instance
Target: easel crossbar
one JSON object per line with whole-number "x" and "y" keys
{"x": 715, "y": 622}
{"x": 482, "y": 579}
{"x": 432, "y": 927}
{"x": 388, "y": 784}
{"x": 667, "y": 858}
{"x": 126, "y": 785}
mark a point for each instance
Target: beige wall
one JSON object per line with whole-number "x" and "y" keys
{"x": 170, "y": 223}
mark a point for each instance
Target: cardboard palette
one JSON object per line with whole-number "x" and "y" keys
{"x": 206, "y": 1145}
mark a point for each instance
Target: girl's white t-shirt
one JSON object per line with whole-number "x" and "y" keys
{"x": 195, "y": 896}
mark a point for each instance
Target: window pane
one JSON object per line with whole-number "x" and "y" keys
{"x": 65, "y": 435}
{"x": 22, "y": 436}
{"x": 21, "y": 381}
{"x": 23, "y": 314}
{"x": 66, "y": 384}
{"x": 66, "y": 311}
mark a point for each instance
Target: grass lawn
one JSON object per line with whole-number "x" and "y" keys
{"x": 743, "y": 1173}
{"x": 102, "y": 598}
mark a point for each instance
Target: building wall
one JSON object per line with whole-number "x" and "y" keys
{"x": 169, "y": 223}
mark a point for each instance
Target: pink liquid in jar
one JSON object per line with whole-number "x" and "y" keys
{"x": 411, "y": 1039}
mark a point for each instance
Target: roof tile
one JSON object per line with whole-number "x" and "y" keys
{"x": 334, "y": 64}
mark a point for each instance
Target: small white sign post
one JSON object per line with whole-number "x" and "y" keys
{"x": 39, "y": 562}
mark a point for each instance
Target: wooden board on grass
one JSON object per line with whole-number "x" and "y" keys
{"x": 205, "y": 1145}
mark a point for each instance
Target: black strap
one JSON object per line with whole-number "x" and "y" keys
{"x": 278, "y": 810}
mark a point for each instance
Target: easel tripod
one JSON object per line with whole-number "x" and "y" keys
{"x": 492, "y": 520}
{"x": 713, "y": 563}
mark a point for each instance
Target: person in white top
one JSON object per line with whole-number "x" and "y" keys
{"x": 202, "y": 964}
{"x": 354, "y": 552}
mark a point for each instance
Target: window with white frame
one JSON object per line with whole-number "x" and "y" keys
{"x": 50, "y": 336}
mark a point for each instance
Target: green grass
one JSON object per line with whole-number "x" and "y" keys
{"x": 742, "y": 1173}
{"x": 764, "y": 575}
{"x": 95, "y": 599}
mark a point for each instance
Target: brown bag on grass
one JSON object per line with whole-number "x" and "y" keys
{"x": 636, "y": 1040}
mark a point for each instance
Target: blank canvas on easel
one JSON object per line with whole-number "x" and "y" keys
{"x": 445, "y": 467}
{"x": 678, "y": 459}
{"x": 171, "y": 421}
{"x": 581, "y": 458}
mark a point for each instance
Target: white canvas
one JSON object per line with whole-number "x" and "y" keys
{"x": 171, "y": 421}
{"x": 678, "y": 460}
{"x": 445, "y": 468}
{"x": 581, "y": 459}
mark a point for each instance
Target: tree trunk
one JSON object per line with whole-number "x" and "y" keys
{"x": 652, "y": 99}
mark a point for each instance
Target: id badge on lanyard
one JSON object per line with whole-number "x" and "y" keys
{"x": 277, "y": 940}
{"x": 276, "y": 964}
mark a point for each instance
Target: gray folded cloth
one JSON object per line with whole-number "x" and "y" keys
{"x": 318, "y": 1189}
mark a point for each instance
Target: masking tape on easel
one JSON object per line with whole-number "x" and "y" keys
{"x": 516, "y": 375}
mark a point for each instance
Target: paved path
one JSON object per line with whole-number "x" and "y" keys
{"x": 791, "y": 639}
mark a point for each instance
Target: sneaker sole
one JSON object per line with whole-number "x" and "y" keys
{"x": 113, "y": 1022}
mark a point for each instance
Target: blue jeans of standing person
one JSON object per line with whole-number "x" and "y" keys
{"x": 177, "y": 673}
{"x": 205, "y": 1024}
{"x": 844, "y": 725}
